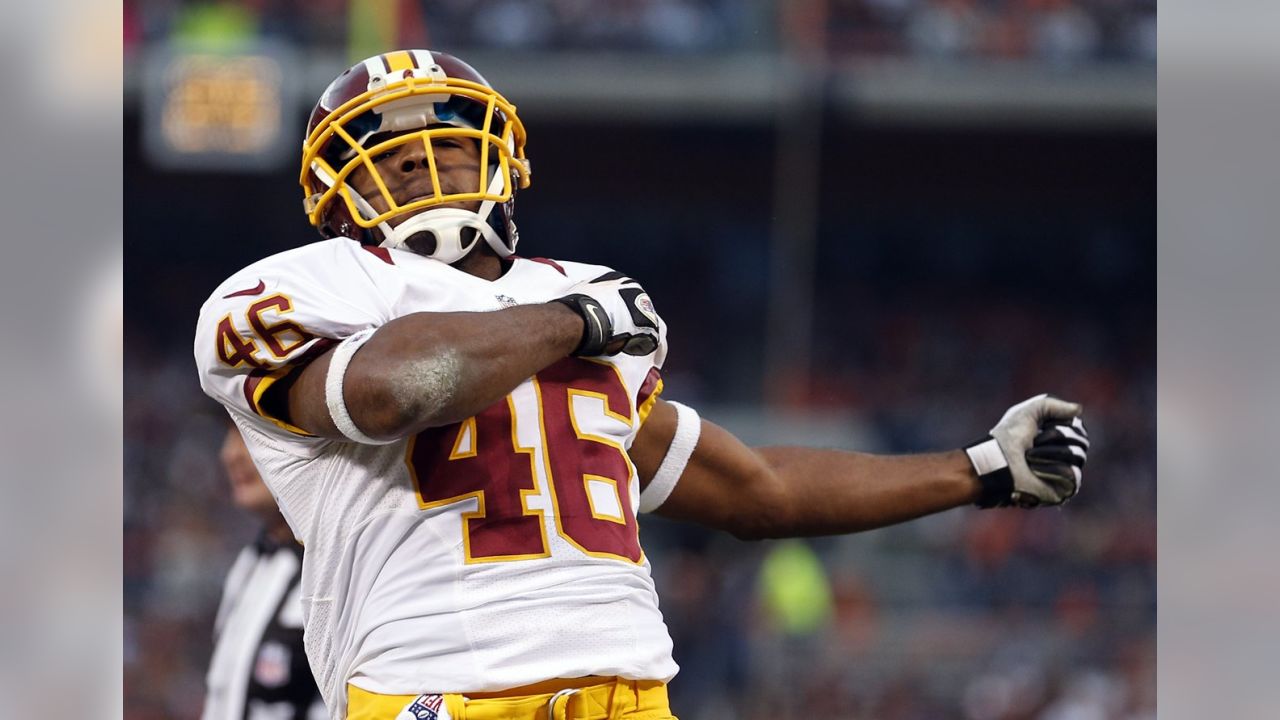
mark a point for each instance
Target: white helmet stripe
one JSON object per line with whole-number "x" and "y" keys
{"x": 322, "y": 174}
{"x": 374, "y": 66}
{"x": 423, "y": 58}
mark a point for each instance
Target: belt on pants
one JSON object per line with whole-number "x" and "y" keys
{"x": 594, "y": 698}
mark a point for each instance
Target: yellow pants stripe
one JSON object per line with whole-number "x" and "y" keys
{"x": 584, "y": 699}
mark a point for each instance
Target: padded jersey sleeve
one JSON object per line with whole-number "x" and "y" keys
{"x": 278, "y": 314}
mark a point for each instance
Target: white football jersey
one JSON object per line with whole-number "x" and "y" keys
{"x": 479, "y": 556}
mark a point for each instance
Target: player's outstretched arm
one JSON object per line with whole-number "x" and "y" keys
{"x": 793, "y": 491}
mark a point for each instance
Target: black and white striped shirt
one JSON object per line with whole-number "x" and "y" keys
{"x": 259, "y": 667}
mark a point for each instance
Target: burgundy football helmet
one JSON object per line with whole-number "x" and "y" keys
{"x": 438, "y": 96}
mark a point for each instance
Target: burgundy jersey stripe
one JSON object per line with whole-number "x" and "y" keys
{"x": 552, "y": 263}
{"x": 649, "y": 385}
{"x": 380, "y": 253}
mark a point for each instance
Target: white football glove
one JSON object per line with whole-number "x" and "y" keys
{"x": 1034, "y": 456}
{"x": 617, "y": 314}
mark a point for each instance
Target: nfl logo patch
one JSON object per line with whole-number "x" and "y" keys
{"x": 271, "y": 669}
{"x": 645, "y": 306}
{"x": 425, "y": 707}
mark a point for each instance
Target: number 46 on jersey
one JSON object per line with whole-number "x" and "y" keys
{"x": 554, "y": 444}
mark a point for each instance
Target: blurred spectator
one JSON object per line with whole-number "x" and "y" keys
{"x": 946, "y": 29}
{"x": 1057, "y": 32}
{"x": 1063, "y": 33}
{"x": 512, "y": 24}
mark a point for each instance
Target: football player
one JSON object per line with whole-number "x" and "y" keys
{"x": 462, "y": 437}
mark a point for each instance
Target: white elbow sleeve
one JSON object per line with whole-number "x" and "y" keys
{"x": 333, "y": 392}
{"x": 688, "y": 428}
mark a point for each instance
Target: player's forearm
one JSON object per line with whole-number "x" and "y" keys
{"x": 789, "y": 491}
{"x": 825, "y": 492}
{"x": 429, "y": 369}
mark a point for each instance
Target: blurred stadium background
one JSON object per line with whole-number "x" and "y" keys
{"x": 869, "y": 223}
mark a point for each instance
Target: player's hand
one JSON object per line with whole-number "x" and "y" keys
{"x": 1034, "y": 456}
{"x": 617, "y": 315}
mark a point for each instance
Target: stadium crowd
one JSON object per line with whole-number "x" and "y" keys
{"x": 1050, "y": 31}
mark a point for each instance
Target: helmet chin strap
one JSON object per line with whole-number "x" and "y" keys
{"x": 446, "y": 224}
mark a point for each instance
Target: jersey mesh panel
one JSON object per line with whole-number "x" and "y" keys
{"x": 378, "y": 492}
{"x": 320, "y": 525}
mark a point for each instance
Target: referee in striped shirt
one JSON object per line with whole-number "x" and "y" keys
{"x": 259, "y": 667}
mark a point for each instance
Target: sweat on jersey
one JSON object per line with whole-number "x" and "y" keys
{"x": 488, "y": 554}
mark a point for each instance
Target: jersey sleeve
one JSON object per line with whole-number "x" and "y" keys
{"x": 278, "y": 314}
{"x": 647, "y": 396}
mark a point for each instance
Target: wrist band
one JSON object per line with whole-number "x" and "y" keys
{"x": 688, "y": 429}
{"x": 333, "y": 396}
{"x": 993, "y": 471}
{"x": 596, "y": 327}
